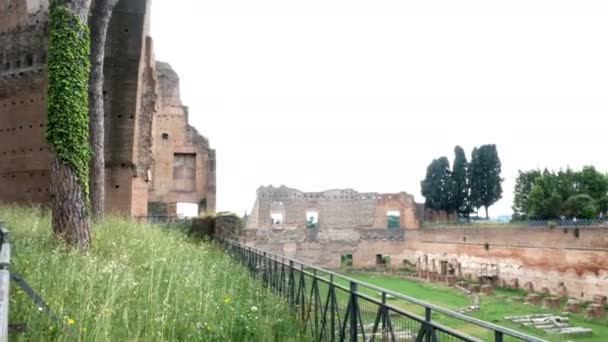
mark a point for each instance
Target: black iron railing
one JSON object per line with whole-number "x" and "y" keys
{"x": 333, "y": 307}
{"x": 5, "y": 280}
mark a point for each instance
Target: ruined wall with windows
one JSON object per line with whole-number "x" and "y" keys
{"x": 355, "y": 229}
{"x": 135, "y": 104}
{"x": 323, "y": 227}
{"x": 184, "y": 164}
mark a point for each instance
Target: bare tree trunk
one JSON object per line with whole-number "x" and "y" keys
{"x": 487, "y": 217}
{"x": 101, "y": 14}
{"x": 70, "y": 216}
{"x": 68, "y": 196}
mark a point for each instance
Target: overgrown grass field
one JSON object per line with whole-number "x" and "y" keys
{"x": 138, "y": 283}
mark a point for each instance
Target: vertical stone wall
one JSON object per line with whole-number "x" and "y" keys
{"x": 175, "y": 142}
{"x": 24, "y": 158}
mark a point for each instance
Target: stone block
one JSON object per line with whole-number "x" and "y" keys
{"x": 573, "y": 305}
{"x": 553, "y": 303}
{"x": 475, "y": 288}
{"x": 450, "y": 280}
{"x": 529, "y": 287}
{"x": 596, "y": 311}
{"x": 562, "y": 291}
{"x": 487, "y": 289}
{"x": 463, "y": 284}
{"x": 513, "y": 283}
{"x": 533, "y": 298}
{"x": 599, "y": 299}
{"x": 545, "y": 291}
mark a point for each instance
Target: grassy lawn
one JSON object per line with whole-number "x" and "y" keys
{"x": 493, "y": 308}
{"x": 137, "y": 283}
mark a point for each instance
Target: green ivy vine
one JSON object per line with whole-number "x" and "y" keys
{"x": 67, "y": 129}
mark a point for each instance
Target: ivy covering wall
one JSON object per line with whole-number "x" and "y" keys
{"x": 67, "y": 129}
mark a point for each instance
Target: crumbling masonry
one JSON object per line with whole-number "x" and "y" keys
{"x": 154, "y": 158}
{"x": 355, "y": 228}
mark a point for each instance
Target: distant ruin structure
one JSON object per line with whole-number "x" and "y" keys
{"x": 154, "y": 158}
{"x": 371, "y": 230}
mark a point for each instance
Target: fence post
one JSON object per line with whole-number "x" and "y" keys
{"x": 332, "y": 308}
{"x": 292, "y": 284}
{"x": 498, "y": 336}
{"x": 429, "y": 330}
{"x": 353, "y": 311}
{"x": 384, "y": 317}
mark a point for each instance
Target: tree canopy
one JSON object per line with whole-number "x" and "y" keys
{"x": 485, "y": 180}
{"x": 567, "y": 193}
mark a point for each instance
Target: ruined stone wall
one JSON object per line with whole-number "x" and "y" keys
{"x": 555, "y": 259}
{"x": 131, "y": 92}
{"x": 572, "y": 262}
{"x": 24, "y": 159}
{"x": 182, "y": 157}
{"x": 532, "y": 258}
{"x": 336, "y": 209}
{"x": 125, "y": 69}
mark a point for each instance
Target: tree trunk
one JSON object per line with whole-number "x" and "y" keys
{"x": 487, "y": 217}
{"x": 100, "y": 20}
{"x": 70, "y": 216}
{"x": 68, "y": 196}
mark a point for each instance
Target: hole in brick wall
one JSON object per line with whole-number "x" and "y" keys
{"x": 576, "y": 232}
{"x": 131, "y": 117}
{"x": 312, "y": 218}
{"x": 31, "y": 100}
{"x": 393, "y": 219}
{"x": 346, "y": 260}
{"x": 31, "y": 126}
{"x": 119, "y": 116}
{"x": 126, "y": 30}
{"x": 464, "y": 239}
{"x": 381, "y": 259}
{"x": 123, "y": 164}
{"x": 486, "y": 246}
{"x": 117, "y": 186}
{"x": 165, "y": 136}
{"x": 29, "y": 60}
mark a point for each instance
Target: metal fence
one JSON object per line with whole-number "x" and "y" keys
{"x": 333, "y": 307}
{"x": 5, "y": 280}
{"x": 567, "y": 223}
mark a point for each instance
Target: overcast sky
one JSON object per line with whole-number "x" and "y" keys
{"x": 323, "y": 94}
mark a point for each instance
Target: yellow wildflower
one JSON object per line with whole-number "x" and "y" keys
{"x": 227, "y": 300}
{"x": 71, "y": 321}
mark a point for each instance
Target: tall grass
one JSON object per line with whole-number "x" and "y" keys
{"x": 137, "y": 283}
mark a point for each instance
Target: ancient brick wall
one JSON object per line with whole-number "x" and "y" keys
{"x": 24, "y": 160}
{"x": 564, "y": 262}
{"x": 336, "y": 209}
{"x": 133, "y": 105}
{"x": 182, "y": 157}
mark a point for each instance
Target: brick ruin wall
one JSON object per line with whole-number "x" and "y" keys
{"x": 350, "y": 223}
{"x": 137, "y": 105}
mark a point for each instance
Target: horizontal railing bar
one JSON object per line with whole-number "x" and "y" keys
{"x": 435, "y": 308}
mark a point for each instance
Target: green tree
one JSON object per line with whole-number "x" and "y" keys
{"x": 545, "y": 201}
{"x": 592, "y": 183}
{"x": 484, "y": 177}
{"x": 523, "y": 187}
{"x": 462, "y": 202}
{"x": 581, "y": 206}
{"x": 438, "y": 186}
